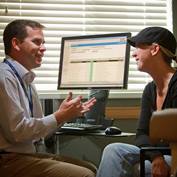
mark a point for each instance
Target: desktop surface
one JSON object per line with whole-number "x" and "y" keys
{"x": 93, "y": 133}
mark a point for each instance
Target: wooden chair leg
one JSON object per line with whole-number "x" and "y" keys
{"x": 173, "y": 147}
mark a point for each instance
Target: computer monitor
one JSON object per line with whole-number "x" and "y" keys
{"x": 98, "y": 63}
{"x": 94, "y": 61}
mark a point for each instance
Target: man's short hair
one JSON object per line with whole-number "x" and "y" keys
{"x": 17, "y": 28}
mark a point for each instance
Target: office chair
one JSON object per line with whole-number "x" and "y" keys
{"x": 167, "y": 131}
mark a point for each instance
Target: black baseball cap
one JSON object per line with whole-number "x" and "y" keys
{"x": 159, "y": 35}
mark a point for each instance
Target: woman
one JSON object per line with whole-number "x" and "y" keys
{"x": 155, "y": 50}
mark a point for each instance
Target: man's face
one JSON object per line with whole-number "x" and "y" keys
{"x": 31, "y": 49}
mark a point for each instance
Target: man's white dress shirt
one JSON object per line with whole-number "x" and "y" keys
{"x": 18, "y": 129}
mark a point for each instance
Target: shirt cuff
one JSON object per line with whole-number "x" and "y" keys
{"x": 50, "y": 121}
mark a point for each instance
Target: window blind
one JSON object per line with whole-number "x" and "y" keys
{"x": 81, "y": 17}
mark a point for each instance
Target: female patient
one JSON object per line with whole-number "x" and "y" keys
{"x": 155, "y": 50}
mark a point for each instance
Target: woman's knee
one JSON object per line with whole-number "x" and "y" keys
{"x": 111, "y": 150}
{"x": 114, "y": 148}
{"x": 117, "y": 150}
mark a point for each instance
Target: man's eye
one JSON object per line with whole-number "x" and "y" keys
{"x": 37, "y": 42}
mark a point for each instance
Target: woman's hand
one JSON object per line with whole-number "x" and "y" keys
{"x": 160, "y": 168}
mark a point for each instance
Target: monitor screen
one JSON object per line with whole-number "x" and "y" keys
{"x": 94, "y": 61}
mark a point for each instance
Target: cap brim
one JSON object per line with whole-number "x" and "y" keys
{"x": 132, "y": 41}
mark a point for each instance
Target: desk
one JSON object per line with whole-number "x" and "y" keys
{"x": 93, "y": 133}
{"x": 88, "y": 145}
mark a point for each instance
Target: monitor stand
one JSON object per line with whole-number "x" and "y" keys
{"x": 97, "y": 113}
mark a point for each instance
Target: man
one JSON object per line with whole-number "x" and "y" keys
{"x": 21, "y": 120}
{"x": 155, "y": 49}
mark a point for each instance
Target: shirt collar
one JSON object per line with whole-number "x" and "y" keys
{"x": 26, "y": 76}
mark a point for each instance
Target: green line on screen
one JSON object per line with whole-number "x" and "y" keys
{"x": 91, "y": 70}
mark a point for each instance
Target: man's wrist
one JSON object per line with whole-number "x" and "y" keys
{"x": 58, "y": 117}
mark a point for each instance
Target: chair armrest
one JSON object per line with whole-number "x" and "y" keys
{"x": 167, "y": 129}
{"x": 143, "y": 156}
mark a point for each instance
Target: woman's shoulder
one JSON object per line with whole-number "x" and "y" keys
{"x": 150, "y": 85}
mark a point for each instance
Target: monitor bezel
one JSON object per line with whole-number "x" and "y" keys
{"x": 126, "y": 66}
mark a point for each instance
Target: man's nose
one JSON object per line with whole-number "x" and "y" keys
{"x": 43, "y": 48}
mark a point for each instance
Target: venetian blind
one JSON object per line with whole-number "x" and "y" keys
{"x": 80, "y": 17}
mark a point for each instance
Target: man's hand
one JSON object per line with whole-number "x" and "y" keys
{"x": 87, "y": 105}
{"x": 160, "y": 168}
{"x": 71, "y": 108}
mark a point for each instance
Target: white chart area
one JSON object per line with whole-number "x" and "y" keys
{"x": 94, "y": 61}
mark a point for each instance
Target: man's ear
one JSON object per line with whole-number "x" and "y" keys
{"x": 15, "y": 44}
{"x": 155, "y": 49}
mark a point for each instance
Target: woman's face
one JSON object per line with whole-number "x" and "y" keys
{"x": 143, "y": 57}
